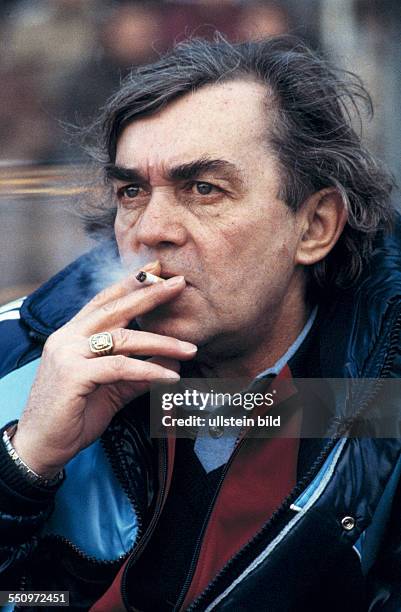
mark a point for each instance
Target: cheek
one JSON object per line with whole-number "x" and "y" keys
{"x": 122, "y": 238}
{"x": 219, "y": 250}
{"x": 276, "y": 235}
{"x": 241, "y": 239}
{"x": 118, "y": 232}
{"x": 257, "y": 251}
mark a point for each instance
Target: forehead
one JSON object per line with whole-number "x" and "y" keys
{"x": 225, "y": 120}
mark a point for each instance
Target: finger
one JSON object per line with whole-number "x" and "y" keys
{"x": 129, "y": 342}
{"x": 121, "y": 311}
{"x": 166, "y": 362}
{"x": 123, "y": 287}
{"x": 116, "y": 368}
{"x": 130, "y": 390}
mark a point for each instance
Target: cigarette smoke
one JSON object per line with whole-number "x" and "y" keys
{"x": 104, "y": 266}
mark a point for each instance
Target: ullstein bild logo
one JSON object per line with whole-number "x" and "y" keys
{"x": 322, "y": 407}
{"x": 209, "y": 412}
{"x": 220, "y": 421}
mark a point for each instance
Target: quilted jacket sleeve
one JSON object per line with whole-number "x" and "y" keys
{"x": 384, "y": 578}
{"x": 24, "y": 508}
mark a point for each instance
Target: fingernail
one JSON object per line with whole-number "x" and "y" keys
{"x": 172, "y": 375}
{"x": 174, "y": 281}
{"x": 187, "y": 347}
{"x": 151, "y": 265}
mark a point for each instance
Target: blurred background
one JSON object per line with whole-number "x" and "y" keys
{"x": 61, "y": 59}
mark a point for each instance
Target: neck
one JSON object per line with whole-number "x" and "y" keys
{"x": 270, "y": 342}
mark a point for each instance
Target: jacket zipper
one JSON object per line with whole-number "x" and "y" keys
{"x": 78, "y": 552}
{"x": 384, "y": 372}
{"x": 276, "y": 515}
{"x": 196, "y": 553}
{"x": 273, "y": 519}
{"x": 152, "y": 525}
{"x": 298, "y": 489}
{"x": 112, "y": 456}
{"x": 394, "y": 336}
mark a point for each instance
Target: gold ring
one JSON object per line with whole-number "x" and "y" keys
{"x": 101, "y": 344}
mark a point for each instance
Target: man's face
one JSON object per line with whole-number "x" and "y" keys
{"x": 202, "y": 198}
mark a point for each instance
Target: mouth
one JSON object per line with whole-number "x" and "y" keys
{"x": 166, "y": 274}
{"x": 159, "y": 272}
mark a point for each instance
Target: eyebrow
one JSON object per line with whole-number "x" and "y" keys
{"x": 183, "y": 172}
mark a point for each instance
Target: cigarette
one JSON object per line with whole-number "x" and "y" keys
{"x": 146, "y": 278}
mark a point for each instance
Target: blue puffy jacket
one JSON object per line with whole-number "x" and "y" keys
{"x": 306, "y": 557}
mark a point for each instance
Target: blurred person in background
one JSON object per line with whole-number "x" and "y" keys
{"x": 129, "y": 34}
{"x": 134, "y": 33}
{"x": 235, "y": 173}
{"x": 187, "y": 18}
{"x": 23, "y": 124}
{"x": 260, "y": 19}
{"x": 45, "y": 44}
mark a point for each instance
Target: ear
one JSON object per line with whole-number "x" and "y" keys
{"x": 323, "y": 216}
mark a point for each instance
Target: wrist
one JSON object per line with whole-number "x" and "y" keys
{"x": 34, "y": 471}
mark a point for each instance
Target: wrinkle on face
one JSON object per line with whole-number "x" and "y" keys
{"x": 239, "y": 249}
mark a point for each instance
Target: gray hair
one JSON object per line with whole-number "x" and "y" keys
{"x": 312, "y": 137}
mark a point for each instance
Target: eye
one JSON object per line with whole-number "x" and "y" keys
{"x": 129, "y": 191}
{"x": 204, "y": 188}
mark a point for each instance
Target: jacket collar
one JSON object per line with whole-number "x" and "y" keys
{"x": 356, "y": 325}
{"x": 62, "y": 296}
{"x": 351, "y": 325}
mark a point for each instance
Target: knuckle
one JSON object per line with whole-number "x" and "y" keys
{"x": 121, "y": 336}
{"x": 60, "y": 352}
{"x": 150, "y": 370}
{"x": 111, "y": 307}
{"x": 118, "y": 363}
{"x": 64, "y": 355}
{"x": 99, "y": 298}
{"x": 50, "y": 345}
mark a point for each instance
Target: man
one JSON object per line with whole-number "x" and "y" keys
{"x": 237, "y": 178}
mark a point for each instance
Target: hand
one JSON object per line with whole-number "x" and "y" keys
{"x": 76, "y": 393}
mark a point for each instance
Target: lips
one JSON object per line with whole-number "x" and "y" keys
{"x": 169, "y": 274}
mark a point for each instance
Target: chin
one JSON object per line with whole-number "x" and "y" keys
{"x": 178, "y": 320}
{"x": 174, "y": 326}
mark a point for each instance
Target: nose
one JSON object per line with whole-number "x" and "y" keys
{"x": 161, "y": 223}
